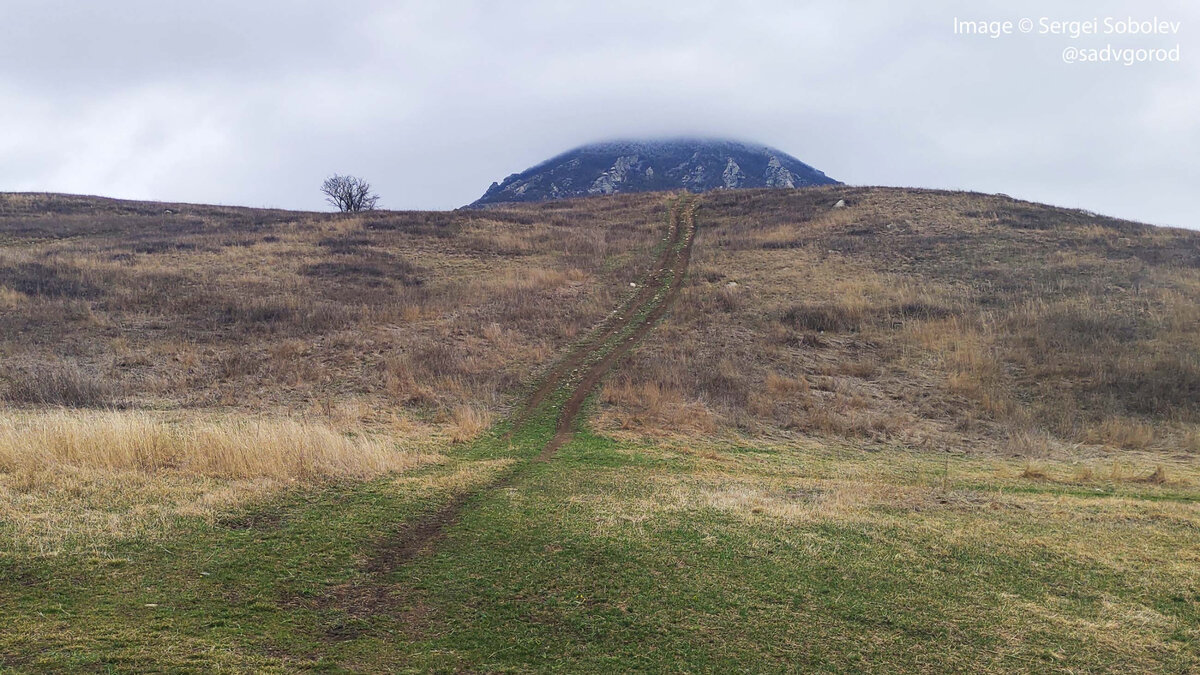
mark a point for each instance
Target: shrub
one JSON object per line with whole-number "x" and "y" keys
{"x": 64, "y": 383}
{"x": 50, "y": 281}
{"x": 827, "y": 318}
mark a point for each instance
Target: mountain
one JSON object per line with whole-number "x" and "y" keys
{"x": 691, "y": 164}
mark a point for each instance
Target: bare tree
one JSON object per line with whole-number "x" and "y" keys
{"x": 349, "y": 194}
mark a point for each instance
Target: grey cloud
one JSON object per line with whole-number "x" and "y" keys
{"x": 254, "y": 103}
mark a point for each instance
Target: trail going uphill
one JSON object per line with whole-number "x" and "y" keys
{"x": 565, "y": 388}
{"x": 632, "y": 324}
{"x": 680, "y": 223}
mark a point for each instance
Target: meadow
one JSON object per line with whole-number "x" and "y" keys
{"x": 926, "y": 431}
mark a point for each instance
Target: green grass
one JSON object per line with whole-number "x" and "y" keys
{"x": 614, "y": 557}
{"x": 737, "y": 555}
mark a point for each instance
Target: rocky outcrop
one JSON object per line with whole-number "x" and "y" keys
{"x": 777, "y": 176}
{"x": 610, "y": 181}
{"x": 639, "y": 166}
{"x": 732, "y": 175}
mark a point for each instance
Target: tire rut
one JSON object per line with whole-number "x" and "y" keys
{"x": 612, "y": 341}
{"x": 612, "y": 326}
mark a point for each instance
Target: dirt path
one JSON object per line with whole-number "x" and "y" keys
{"x": 580, "y": 372}
{"x": 615, "y": 323}
{"x": 668, "y": 280}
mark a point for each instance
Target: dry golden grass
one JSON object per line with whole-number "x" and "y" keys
{"x": 243, "y": 448}
{"x": 1029, "y": 443}
{"x": 931, "y": 319}
{"x": 1190, "y": 441}
{"x": 652, "y": 406}
{"x": 81, "y": 479}
{"x": 467, "y": 422}
{"x": 165, "y": 305}
{"x": 73, "y": 509}
{"x": 10, "y": 299}
{"x": 1122, "y": 433}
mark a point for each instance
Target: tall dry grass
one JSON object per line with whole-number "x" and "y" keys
{"x": 1191, "y": 441}
{"x": 467, "y": 422}
{"x": 11, "y": 299}
{"x": 932, "y": 318}
{"x": 187, "y": 306}
{"x": 77, "y": 480}
{"x": 252, "y": 448}
{"x": 653, "y": 407}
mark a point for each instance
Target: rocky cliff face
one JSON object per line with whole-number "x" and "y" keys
{"x": 639, "y": 166}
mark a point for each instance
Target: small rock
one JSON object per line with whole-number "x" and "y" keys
{"x": 732, "y": 284}
{"x": 632, "y": 285}
{"x": 841, "y": 204}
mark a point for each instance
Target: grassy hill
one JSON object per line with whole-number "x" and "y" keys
{"x": 953, "y": 319}
{"x": 745, "y": 430}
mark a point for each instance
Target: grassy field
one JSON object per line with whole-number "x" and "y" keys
{"x": 969, "y": 444}
{"x": 753, "y": 557}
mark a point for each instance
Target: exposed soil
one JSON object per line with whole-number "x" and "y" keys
{"x": 683, "y": 225}
{"x": 614, "y": 339}
{"x": 615, "y": 323}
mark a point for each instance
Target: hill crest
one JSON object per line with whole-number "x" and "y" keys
{"x": 623, "y": 166}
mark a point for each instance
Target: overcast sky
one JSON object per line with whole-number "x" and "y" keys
{"x": 254, "y": 103}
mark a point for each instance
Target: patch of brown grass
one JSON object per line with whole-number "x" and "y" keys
{"x": 56, "y": 383}
{"x": 11, "y": 298}
{"x": 1158, "y": 477}
{"x": 467, "y": 422}
{"x": 1033, "y": 472}
{"x": 285, "y": 449}
{"x": 167, "y": 305}
{"x": 651, "y": 408}
{"x": 76, "y": 480}
{"x": 1123, "y": 433}
{"x": 1028, "y": 443}
{"x": 938, "y": 318}
{"x": 1191, "y": 441}
{"x": 781, "y": 386}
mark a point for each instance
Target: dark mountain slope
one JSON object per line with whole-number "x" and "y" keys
{"x": 696, "y": 165}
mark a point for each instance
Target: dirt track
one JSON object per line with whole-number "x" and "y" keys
{"x": 580, "y": 372}
{"x": 665, "y": 280}
{"x": 620, "y": 319}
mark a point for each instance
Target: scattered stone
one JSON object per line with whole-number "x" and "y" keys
{"x": 841, "y": 204}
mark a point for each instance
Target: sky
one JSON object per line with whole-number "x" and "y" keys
{"x": 255, "y": 103}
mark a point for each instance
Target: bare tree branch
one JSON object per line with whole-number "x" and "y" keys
{"x": 349, "y": 194}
